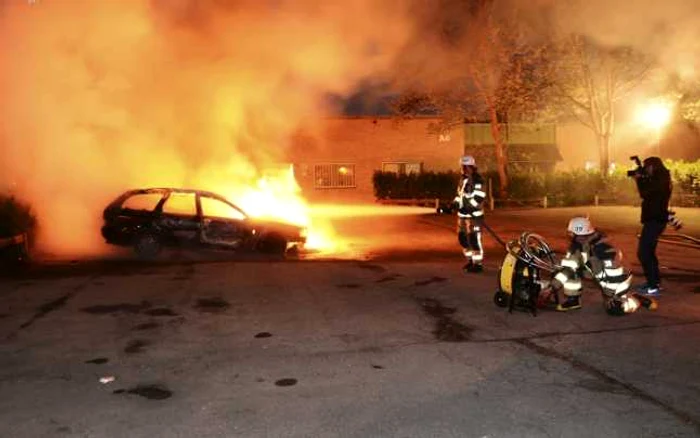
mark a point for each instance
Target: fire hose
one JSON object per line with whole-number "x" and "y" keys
{"x": 534, "y": 250}
{"x": 679, "y": 239}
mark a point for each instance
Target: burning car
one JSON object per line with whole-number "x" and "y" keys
{"x": 155, "y": 218}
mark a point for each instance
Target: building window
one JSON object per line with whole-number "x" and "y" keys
{"x": 402, "y": 167}
{"x": 334, "y": 176}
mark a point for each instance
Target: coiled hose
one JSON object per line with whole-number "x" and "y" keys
{"x": 531, "y": 248}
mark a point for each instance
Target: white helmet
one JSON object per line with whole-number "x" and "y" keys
{"x": 468, "y": 160}
{"x": 580, "y": 226}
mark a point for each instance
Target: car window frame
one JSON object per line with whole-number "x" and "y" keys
{"x": 220, "y": 199}
{"x": 156, "y": 210}
{"x": 197, "y": 215}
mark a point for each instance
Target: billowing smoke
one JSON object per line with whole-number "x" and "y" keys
{"x": 456, "y": 52}
{"x": 450, "y": 31}
{"x": 100, "y": 97}
{"x": 667, "y": 30}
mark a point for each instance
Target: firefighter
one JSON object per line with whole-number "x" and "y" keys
{"x": 470, "y": 214}
{"x": 589, "y": 250}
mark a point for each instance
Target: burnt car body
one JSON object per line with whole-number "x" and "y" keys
{"x": 155, "y": 218}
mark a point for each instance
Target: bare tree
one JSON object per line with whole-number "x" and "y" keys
{"x": 499, "y": 79}
{"x": 590, "y": 79}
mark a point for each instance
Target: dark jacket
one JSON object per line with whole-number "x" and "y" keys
{"x": 655, "y": 191}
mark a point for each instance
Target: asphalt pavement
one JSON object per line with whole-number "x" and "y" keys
{"x": 385, "y": 338}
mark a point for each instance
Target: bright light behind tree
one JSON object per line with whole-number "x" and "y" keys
{"x": 655, "y": 115}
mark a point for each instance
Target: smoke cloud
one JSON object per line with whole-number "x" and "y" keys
{"x": 100, "y": 97}
{"x": 449, "y": 33}
{"x": 666, "y": 30}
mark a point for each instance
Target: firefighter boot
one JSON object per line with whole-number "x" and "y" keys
{"x": 468, "y": 266}
{"x": 476, "y": 267}
{"x": 473, "y": 267}
{"x": 571, "y": 303}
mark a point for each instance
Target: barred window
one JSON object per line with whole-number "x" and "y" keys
{"x": 334, "y": 176}
{"x": 402, "y": 167}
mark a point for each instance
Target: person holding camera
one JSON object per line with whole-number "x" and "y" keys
{"x": 654, "y": 185}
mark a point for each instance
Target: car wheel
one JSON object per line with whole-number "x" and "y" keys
{"x": 273, "y": 245}
{"x": 501, "y": 299}
{"x": 147, "y": 246}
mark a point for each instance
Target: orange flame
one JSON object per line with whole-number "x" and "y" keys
{"x": 102, "y": 97}
{"x": 279, "y": 197}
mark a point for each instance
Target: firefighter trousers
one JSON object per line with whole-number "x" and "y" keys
{"x": 469, "y": 235}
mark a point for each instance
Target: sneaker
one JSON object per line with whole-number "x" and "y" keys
{"x": 650, "y": 291}
{"x": 571, "y": 303}
{"x": 640, "y": 287}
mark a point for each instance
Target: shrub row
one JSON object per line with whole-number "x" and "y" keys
{"x": 427, "y": 185}
{"x": 572, "y": 188}
{"x": 16, "y": 217}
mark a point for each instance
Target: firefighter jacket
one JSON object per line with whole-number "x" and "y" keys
{"x": 470, "y": 196}
{"x": 592, "y": 253}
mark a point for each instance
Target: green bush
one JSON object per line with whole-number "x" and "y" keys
{"x": 686, "y": 183}
{"x": 427, "y": 185}
{"x": 16, "y": 217}
{"x": 578, "y": 187}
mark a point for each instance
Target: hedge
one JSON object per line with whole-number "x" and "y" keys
{"x": 16, "y": 217}
{"x": 571, "y": 188}
{"x": 426, "y": 185}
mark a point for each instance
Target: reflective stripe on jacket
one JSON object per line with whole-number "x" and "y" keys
{"x": 470, "y": 196}
{"x": 600, "y": 257}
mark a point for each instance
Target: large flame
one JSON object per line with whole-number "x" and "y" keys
{"x": 278, "y": 196}
{"x": 98, "y": 97}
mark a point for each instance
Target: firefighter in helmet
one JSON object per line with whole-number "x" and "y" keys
{"x": 470, "y": 214}
{"x": 590, "y": 251}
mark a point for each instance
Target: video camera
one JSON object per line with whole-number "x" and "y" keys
{"x": 639, "y": 171}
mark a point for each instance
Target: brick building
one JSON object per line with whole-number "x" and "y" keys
{"x": 337, "y": 161}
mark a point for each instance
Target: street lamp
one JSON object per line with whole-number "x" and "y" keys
{"x": 655, "y": 115}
